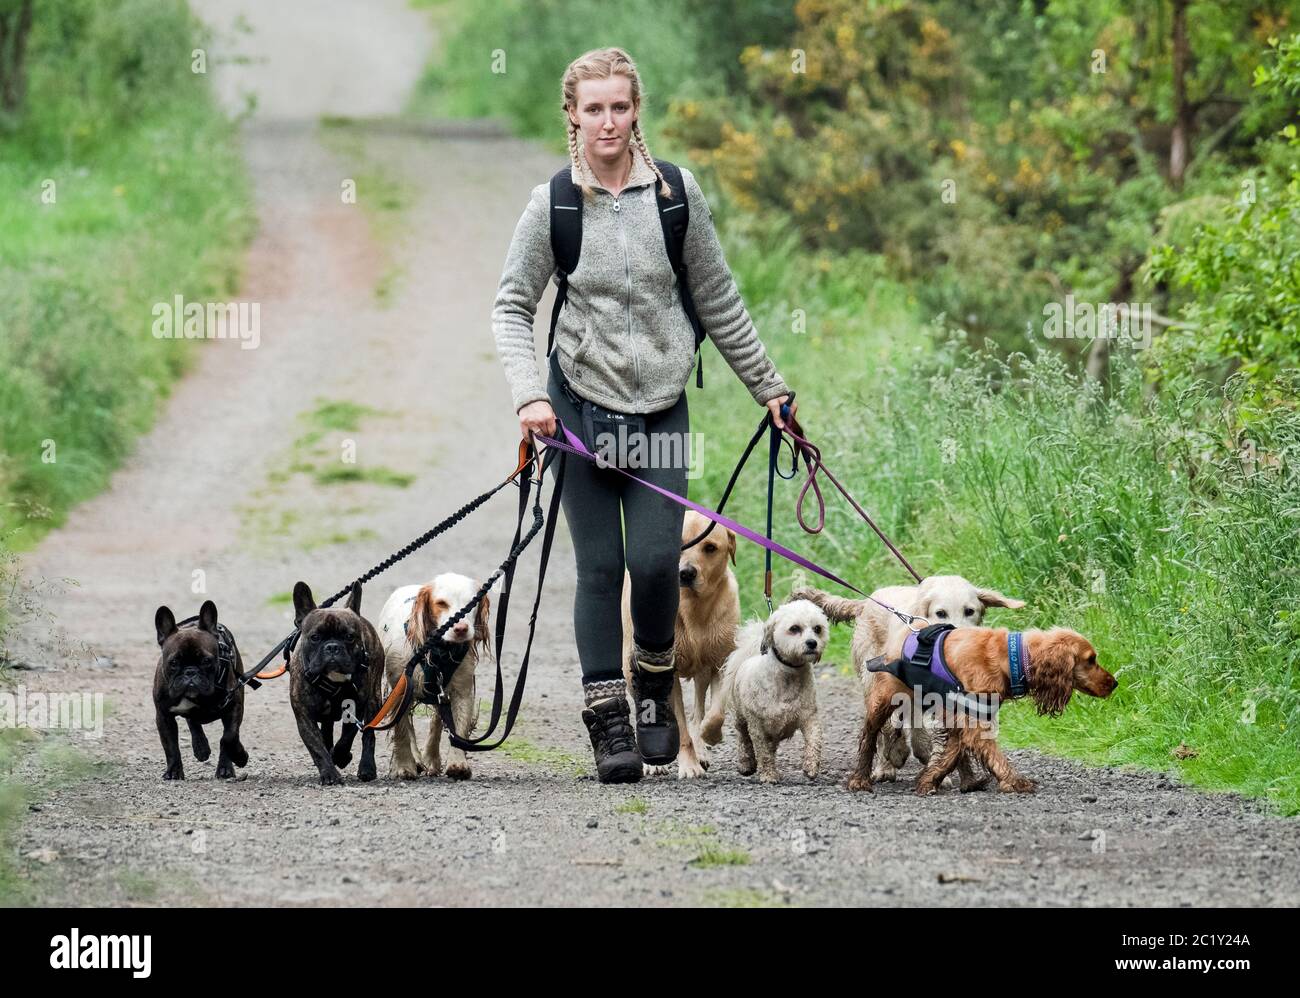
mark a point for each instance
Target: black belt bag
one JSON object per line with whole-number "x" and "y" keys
{"x": 605, "y": 432}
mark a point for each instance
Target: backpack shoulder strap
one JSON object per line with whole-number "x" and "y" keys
{"x": 675, "y": 217}
{"x": 566, "y": 239}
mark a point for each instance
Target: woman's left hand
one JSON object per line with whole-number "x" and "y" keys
{"x": 774, "y": 406}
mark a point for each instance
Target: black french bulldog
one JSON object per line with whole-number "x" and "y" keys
{"x": 335, "y": 673}
{"x": 198, "y": 668}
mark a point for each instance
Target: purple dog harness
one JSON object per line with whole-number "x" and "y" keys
{"x": 937, "y": 663}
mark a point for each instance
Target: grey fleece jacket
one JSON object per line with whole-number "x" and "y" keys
{"x": 623, "y": 338}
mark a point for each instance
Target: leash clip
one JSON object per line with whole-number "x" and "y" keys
{"x": 911, "y": 623}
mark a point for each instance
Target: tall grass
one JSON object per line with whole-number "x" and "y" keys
{"x": 505, "y": 58}
{"x": 121, "y": 186}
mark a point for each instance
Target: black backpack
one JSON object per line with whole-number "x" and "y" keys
{"x": 566, "y": 243}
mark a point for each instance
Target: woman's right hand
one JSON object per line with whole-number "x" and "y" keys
{"x": 537, "y": 417}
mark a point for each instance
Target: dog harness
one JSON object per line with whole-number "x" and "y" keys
{"x": 923, "y": 666}
{"x": 439, "y": 665}
{"x": 928, "y": 653}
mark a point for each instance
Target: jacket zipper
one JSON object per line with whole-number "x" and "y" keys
{"x": 627, "y": 270}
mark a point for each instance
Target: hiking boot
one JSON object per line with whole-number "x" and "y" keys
{"x": 656, "y": 724}
{"x": 617, "y": 760}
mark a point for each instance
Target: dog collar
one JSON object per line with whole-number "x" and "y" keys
{"x": 1018, "y": 661}
{"x": 789, "y": 665}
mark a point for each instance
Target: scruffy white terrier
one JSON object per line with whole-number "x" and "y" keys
{"x": 411, "y": 614}
{"x": 768, "y": 681}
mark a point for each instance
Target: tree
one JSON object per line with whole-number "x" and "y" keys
{"x": 15, "y": 26}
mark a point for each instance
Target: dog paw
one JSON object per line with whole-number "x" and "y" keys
{"x": 202, "y": 750}
{"x": 976, "y": 783}
{"x": 811, "y": 772}
{"x": 238, "y": 755}
{"x": 885, "y": 774}
{"x": 331, "y": 778}
{"x": 174, "y": 773}
{"x": 747, "y": 768}
{"x": 366, "y": 772}
{"x": 926, "y": 789}
{"x": 649, "y": 770}
{"x": 225, "y": 771}
{"x": 1020, "y": 785}
{"x": 458, "y": 771}
{"x": 687, "y": 770}
{"x": 768, "y": 778}
{"x": 341, "y": 756}
{"x": 858, "y": 782}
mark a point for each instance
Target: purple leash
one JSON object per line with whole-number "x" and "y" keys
{"x": 574, "y": 445}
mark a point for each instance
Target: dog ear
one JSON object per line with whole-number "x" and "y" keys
{"x": 422, "y": 618}
{"x": 482, "y": 618}
{"x": 1051, "y": 664}
{"x": 164, "y": 622}
{"x": 303, "y": 603}
{"x": 208, "y": 616}
{"x": 731, "y": 545}
{"x": 991, "y": 597}
{"x": 769, "y": 635}
{"x": 354, "y": 599}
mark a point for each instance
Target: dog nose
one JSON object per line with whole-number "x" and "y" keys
{"x": 332, "y": 648}
{"x": 688, "y": 574}
{"x": 810, "y": 644}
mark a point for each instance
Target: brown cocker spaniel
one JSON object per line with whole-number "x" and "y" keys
{"x": 1059, "y": 661}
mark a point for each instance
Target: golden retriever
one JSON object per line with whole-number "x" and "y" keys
{"x": 708, "y": 613}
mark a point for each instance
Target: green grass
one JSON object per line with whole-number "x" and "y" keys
{"x": 376, "y": 475}
{"x": 48, "y": 762}
{"x": 636, "y": 805}
{"x": 742, "y": 897}
{"x": 532, "y": 754}
{"x": 712, "y": 855}
{"x": 467, "y": 78}
{"x": 383, "y": 195}
{"x": 701, "y": 841}
{"x": 338, "y": 414}
{"x": 146, "y": 213}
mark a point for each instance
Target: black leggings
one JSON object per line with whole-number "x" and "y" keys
{"x": 592, "y": 500}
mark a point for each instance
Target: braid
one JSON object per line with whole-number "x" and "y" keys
{"x": 577, "y": 163}
{"x": 664, "y": 188}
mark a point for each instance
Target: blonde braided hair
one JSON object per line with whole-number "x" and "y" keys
{"x": 601, "y": 64}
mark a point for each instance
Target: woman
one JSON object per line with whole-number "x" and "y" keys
{"x": 624, "y": 342}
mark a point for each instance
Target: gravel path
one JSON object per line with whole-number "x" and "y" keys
{"x": 212, "y": 488}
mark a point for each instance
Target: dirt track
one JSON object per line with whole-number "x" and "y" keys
{"x": 213, "y": 488}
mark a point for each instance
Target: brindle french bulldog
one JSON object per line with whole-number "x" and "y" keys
{"x": 335, "y": 673}
{"x": 193, "y": 680}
